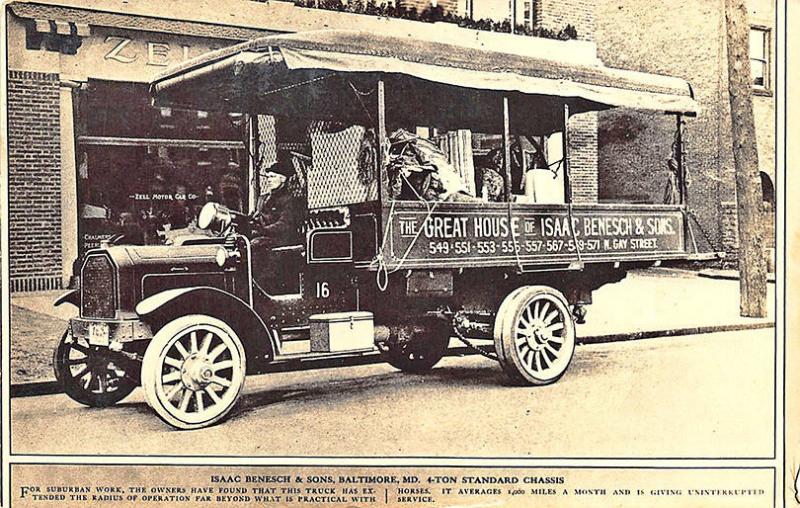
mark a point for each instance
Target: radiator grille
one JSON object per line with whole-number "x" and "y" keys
{"x": 97, "y": 288}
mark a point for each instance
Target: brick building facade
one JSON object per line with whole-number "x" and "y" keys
{"x": 57, "y": 51}
{"x": 34, "y": 151}
{"x": 554, "y": 15}
{"x": 71, "y": 68}
{"x": 687, "y": 40}
{"x": 683, "y": 39}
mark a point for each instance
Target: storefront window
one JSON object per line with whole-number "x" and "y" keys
{"x": 145, "y": 171}
{"x": 124, "y": 110}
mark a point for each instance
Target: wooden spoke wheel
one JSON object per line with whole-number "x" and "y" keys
{"x": 500, "y": 322}
{"x": 534, "y": 335}
{"x": 416, "y": 349}
{"x": 91, "y": 375}
{"x": 193, "y": 371}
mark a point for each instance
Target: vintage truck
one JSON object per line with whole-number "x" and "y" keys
{"x": 374, "y": 271}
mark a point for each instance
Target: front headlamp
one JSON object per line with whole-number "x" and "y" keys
{"x": 221, "y": 257}
{"x": 214, "y": 216}
{"x": 225, "y": 257}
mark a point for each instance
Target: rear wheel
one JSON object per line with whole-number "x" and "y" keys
{"x": 500, "y": 322}
{"x": 91, "y": 375}
{"x": 193, "y": 371}
{"x": 416, "y": 349}
{"x": 535, "y": 335}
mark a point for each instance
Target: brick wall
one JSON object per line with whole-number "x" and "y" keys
{"x": 583, "y": 157}
{"x": 730, "y": 236}
{"x": 34, "y": 158}
{"x": 682, "y": 39}
{"x": 730, "y": 232}
{"x": 556, "y": 14}
{"x": 764, "y": 116}
{"x": 762, "y": 13}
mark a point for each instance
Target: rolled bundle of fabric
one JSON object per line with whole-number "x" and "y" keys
{"x": 418, "y": 169}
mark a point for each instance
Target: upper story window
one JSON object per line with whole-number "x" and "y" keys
{"x": 759, "y": 57}
{"x": 527, "y": 14}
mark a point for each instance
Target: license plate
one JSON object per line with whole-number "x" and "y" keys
{"x": 98, "y": 334}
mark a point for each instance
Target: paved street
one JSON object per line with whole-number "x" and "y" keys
{"x": 658, "y": 397}
{"x": 645, "y": 301}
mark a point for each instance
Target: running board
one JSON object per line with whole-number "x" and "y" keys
{"x": 295, "y": 357}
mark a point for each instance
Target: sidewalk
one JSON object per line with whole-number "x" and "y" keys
{"x": 648, "y": 303}
{"x": 667, "y": 301}
{"x": 36, "y": 328}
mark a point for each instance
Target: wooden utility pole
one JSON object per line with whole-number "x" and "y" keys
{"x": 513, "y": 5}
{"x": 752, "y": 263}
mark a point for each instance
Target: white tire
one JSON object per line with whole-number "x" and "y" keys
{"x": 535, "y": 335}
{"x": 193, "y": 371}
{"x": 502, "y": 317}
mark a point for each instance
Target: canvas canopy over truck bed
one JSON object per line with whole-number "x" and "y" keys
{"x": 303, "y": 69}
{"x": 372, "y": 79}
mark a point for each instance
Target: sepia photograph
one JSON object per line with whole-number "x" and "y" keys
{"x": 405, "y": 229}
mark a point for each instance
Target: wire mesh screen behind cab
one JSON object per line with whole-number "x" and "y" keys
{"x": 267, "y": 147}
{"x": 342, "y": 166}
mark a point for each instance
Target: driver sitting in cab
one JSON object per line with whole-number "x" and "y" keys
{"x": 280, "y": 210}
{"x": 278, "y": 219}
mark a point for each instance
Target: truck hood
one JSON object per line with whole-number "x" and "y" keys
{"x": 160, "y": 254}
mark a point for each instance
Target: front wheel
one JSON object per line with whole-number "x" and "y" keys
{"x": 91, "y": 375}
{"x": 193, "y": 371}
{"x": 535, "y": 335}
{"x": 416, "y": 349}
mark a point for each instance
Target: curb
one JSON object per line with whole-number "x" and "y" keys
{"x": 676, "y": 332}
{"x": 52, "y": 387}
{"x": 35, "y": 388}
{"x": 729, "y": 275}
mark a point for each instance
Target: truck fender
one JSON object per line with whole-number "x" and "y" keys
{"x": 166, "y": 305}
{"x": 72, "y": 296}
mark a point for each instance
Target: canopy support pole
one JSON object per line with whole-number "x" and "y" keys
{"x": 506, "y": 150}
{"x": 565, "y": 155}
{"x": 383, "y": 178}
{"x": 679, "y": 159}
{"x": 681, "y": 181}
{"x": 253, "y": 177}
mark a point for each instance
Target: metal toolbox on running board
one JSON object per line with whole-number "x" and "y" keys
{"x": 341, "y": 331}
